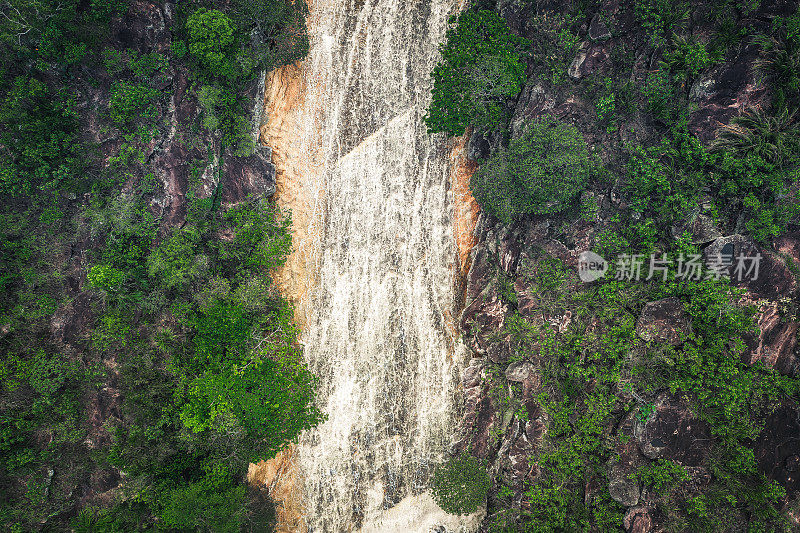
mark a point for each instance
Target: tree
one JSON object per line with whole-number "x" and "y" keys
{"x": 481, "y": 68}
{"x": 460, "y": 485}
{"x": 540, "y": 173}
{"x": 211, "y": 40}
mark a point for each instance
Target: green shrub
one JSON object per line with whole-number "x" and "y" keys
{"x": 775, "y": 138}
{"x": 659, "y": 17}
{"x": 662, "y": 475}
{"x": 38, "y": 129}
{"x": 277, "y": 27}
{"x": 540, "y": 173}
{"x": 780, "y": 60}
{"x": 661, "y": 98}
{"x": 211, "y": 41}
{"x": 553, "y": 45}
{"x": 460, "y": 485}
{"x": 130, "y": 102}
{"x": 686, "y": 58}
{"x": 481, "y": 68}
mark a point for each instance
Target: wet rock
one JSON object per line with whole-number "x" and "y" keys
{"x": 479, "y": 414}
{"x": 518, "y": 454}
{"x": 702, "y": 89}
{"x": 665, "y": 321}
{"x": 252, "y": 176}
{"x": 769, "y": 277}
{"x": 509, "y": 246}
{"x": 173, "y": 168}
{"x": 520, "y": 371}
{"x": 724, "y": 92}
{"x": 777, "y": 448}
{"x": 673, "y": 432}
{"x": 590, "y": 59}
{"x": 575, "y": 69}
{"x": 532, "y": 102}
{"x": 775, "y": 340}
{"x": 477, "y": 147}
{"x": 481, "y": 272}
{"x": 788, "y": 245}
{"x": 70, "y": 321}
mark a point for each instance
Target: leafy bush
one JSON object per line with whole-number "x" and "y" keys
{"x": 130, "y": 102}
{"x": 540, "y": 173}
{"x": 278, "y": 29}
{"x": 660, "y": 96}
{"x": 780, "y": 60}
{"x": 480, "y": 70}
{"x": 686, "y": 58}
{"x": 38, "y": 129}
{"x": 460, "y": 485}
{"x": 662, "y": 475}
{"x": 775, "y": 138}
{"x": 659, "y": 17}
{"x": 554, "y": 44}
{"x": 211, "y": 40}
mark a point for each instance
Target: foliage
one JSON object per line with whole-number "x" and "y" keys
{"x": 554, "y": 44}
{"x": 459, "y": 485}
{"x": 780, "y": 60}
{"x": 277, "y": 28}
{"x": 541, "y": 172}
{"x": 481, "y": 68}
{"x": 89, "y": 273}
{"x": 686, "y": 58}
{"x": 39, "y": 133}
{"x": 211, "y": 40}
{"x": 130, "y": 102}
{"x": 662, "y": 475}
{"x": 658, "y": 18}
{"x": 773, "y": 138}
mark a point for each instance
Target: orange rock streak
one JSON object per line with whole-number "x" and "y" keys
{"x": 465, "y": 208}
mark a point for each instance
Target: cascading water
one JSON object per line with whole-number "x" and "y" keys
{"x": 378, "y": 329}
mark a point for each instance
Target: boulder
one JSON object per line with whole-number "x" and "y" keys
{"x": 598, "y": 30}
{"x": 252, "y": 176}
{"x": 704, "y": 230}
{"x": 777, "y": 448}
{"x": 520, "y": 371}
{"x": 775, "y": 340}
{"x": 574, "y": 70}
{"x": 477, "y": 147}
{"x": 665, "y": 321}
{"x": 774, "y": 280}
{"x": 673, "y": 432}
{"x": 623, "y": 490}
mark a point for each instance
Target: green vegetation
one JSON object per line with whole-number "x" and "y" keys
{"x": 599, "y": 379}
{"x": 211, "y": 40}
{"x": 780, "y": 60}
{"x": 541, "y": 172}
{"x": 129, "y": 343}
{"x": 481, "y": 68}
{"x": 459, "y": 485}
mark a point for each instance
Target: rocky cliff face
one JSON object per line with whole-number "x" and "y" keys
{"x": 185, "y": 161}
{"x": 504, "y": 419}
{"x": 494, "y": 430}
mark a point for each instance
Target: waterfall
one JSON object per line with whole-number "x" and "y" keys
{"x": 378, "y": 327}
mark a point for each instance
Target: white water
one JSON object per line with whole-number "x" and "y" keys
{"x": 377, "y": 335}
